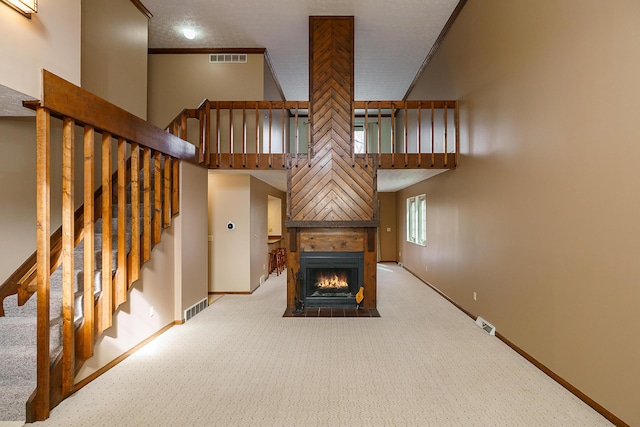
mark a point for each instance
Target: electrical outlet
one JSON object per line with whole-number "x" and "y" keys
{"x": 388, "y": 229}
{"x": 264, "y": 266}
{"x": 475, "y": 297}
{"x": 426, "y": 268}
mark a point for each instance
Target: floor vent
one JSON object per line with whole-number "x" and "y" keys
{"x": 195, "y": 309}
{"x": 228, "y": 58}
{"x": 488, "y": 327}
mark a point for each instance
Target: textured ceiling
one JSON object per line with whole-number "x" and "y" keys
{"x": 392, "y": 39}
{"x": 389, "y": 181}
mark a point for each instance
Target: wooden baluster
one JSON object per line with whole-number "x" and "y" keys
{"x": 406, "y": 135}
{"x": 297, "y": 148}
{"x": 366, "y": 134}
{"x": 183, "y": 127}
{"x": 217, "y": 134}
{"x": 353, "y": 132}
{"x": 457, "y": 125}
{"x": 433, "y": 136}
{"x": 419, "y": 133}
{"x": 146, "y": 204}
{"x": 43, "y": 227}
{"x": 135, "y": 214}
{"x": 270, "y": 124}
{"x": 445, "y": 135}
{"x": 201, "y": 135}
{"x": 244, "y": 134}
{"x": 175, "y": 128}
{"x": 284, "y": 148}
{"x": 121, "y": 272}
{"x": 231, "y": 135}
{"x": 207, "y": 133}
{"x": 68, "y": 276}
{"x": 157, "y": 198}
{"x": 175, "y": 190}
{"x": 166, "y": 206}
{"x": 89, "y": 243}
{"x": 379, "y": 134}
{"x": 393, "y": 135}
{"x": 105, "y": 298}
{"x": 257, "y": 136}
{"x": 309, "y": 135}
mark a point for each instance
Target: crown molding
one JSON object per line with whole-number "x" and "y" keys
{"x": 142, "y": 8}
{"x": 198, "y": 50}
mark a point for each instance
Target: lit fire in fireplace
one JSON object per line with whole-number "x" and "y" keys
{"x": 332, "y": 281}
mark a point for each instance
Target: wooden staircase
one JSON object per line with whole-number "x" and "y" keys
{"x": 113, "y": 231}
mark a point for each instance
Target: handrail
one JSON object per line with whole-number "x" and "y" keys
{"x": 151, "y": 147}
{"x": 64, "y": 99}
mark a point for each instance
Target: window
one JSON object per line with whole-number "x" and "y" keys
{"x": 358, "y": 139}
{"x": 417, "y": 219}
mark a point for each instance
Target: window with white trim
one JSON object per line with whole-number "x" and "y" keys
{"x": 417, "y": 220}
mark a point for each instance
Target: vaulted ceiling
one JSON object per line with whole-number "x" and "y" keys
{"x": 392, "y": 39}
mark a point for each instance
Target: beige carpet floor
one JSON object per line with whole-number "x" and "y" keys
{"x": 240, "y": 363}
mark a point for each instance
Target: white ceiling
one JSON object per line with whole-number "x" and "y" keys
{"x": 389, "y": 180}
{"x": 392, "y": 39}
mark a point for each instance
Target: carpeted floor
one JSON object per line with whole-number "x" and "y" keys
{"x": 240, "y": 363}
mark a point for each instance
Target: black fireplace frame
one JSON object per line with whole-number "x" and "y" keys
{"x": 324, "y": 260}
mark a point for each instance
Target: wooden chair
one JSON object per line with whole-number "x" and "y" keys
{"x": 281, "y": 259}
{"x": 273, "y": 258}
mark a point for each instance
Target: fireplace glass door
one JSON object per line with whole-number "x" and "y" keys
{"x": 331, "y": 279}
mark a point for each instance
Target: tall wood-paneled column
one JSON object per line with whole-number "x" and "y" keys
{"x": 332, "y": 187}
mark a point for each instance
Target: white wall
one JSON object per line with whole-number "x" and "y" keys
{"x": 229, "y": 252}
{"x": 275, "y": 216}
{"x": 173, "y": 279}
{"x": 191, "y": 272}
{"x": 50, "y": 40}
{"x": 114, "y": 53}
{"x": 133, "y": 323}
{"x": 18, "y": 214}
{"x": 180, "y": 81}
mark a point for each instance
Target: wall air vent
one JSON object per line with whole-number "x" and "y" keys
{"x": 228, "y": 58}
{"x": 488, "y": 327}
{"x": 195, "y": 309}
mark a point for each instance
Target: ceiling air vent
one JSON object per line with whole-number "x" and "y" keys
{"x": 228, "y": 58}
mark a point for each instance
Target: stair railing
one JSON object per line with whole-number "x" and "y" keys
{"x": 152, "y": 151}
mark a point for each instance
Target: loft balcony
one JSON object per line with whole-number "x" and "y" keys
{"x": 274, "y": 135}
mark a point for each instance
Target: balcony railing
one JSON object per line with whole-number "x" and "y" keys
{"x": 274, "y": 134}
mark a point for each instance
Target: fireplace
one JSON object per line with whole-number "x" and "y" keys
{"x": 331, "y": 279}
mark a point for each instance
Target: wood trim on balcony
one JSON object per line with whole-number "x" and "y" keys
{"x": 332, "y": 224}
